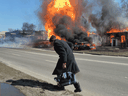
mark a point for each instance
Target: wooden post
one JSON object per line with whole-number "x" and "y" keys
{"x": 126, "y": 39}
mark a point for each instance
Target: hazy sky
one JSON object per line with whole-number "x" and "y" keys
{"x": 13, "y": 13}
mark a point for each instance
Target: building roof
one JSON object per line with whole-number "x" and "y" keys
{"x": 3, "y": 32}
{"x": 117, "y": 32}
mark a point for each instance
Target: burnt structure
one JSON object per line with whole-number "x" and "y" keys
{"x": 118, "y": 39}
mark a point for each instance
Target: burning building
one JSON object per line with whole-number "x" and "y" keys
{"x": 111, "y": 22}
{"x": 118, "y": 38}
{"x": 73, "y": 19}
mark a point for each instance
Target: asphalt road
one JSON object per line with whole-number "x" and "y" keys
{"x": 99, "y": 75}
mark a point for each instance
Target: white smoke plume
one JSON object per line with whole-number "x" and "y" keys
{"x": 15, "y": 43}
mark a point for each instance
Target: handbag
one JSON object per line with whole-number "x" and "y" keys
{"x": 65, "y": 78}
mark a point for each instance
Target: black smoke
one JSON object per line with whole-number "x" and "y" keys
{"x": 111, "y": 15}
{"x": 71, "y": 32}
{"x": 65, "y": 27}
{"x": 100, "y": 15}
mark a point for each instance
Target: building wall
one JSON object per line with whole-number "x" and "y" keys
{"x": 117, "y": 40}
{"x": 13, "y": 34}
{"x": 2, "y": 34}
{"x": 40, "y": 35}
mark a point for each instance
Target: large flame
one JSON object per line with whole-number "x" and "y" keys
{"x": 62, "y": 7}
{"x": 117, "y": 30}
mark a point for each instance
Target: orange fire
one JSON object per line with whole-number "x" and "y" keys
{"x": 123, "y": 39}
{"x": 112, "y": 36}
{"x": 88, "y": 33}
{"x": 117, "y": 30}
{"x": 94, "y": 47}
{"x": 88, "y": 45}
{"x": 62, "y": 7}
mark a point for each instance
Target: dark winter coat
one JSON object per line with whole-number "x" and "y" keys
{"x": 65, "y": 56}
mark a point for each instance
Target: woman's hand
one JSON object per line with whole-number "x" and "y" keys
{"x": 64, "y": 65}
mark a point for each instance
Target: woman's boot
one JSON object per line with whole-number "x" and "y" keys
{"x": 77, "y": 86}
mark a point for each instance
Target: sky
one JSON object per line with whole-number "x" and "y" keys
{"x": 13, "y": 13}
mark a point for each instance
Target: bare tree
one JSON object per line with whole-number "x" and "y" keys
{"x": 28, "y": 28}
{"x": 25, "y": 26}
{"x": 10, "y": 29}
{"x": 125, "y": 6}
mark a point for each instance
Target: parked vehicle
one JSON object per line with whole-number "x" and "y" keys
{"x": 84, "y": 46}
